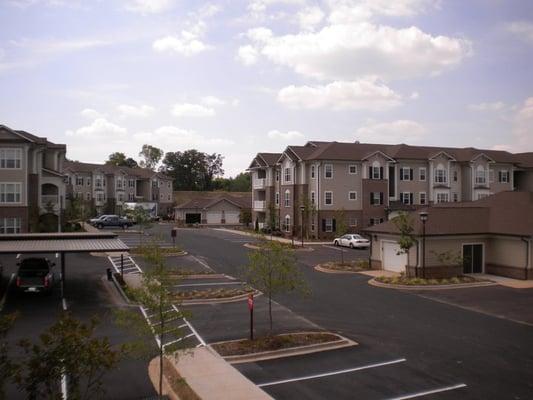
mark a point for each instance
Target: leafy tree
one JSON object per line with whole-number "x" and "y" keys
{"x": 192, "y": 170}
{"x": 121, "y": 160}
{"x": 309, "y": 214}
{"x": 7, "y": 369}
{"x": 245, "y": 216}
{"x": 67, "y": 348}
{"x": 142, "y": 219}
{"x": 151, "y": 156}
{"x": 272, "y": 269}
{"x": 240, "y": 183}
{"x": 405, "y": 225}
{"x": 341, "y": 228}
{"x": 154, "y": 295}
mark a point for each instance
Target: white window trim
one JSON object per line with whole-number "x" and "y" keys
{"x": 330, "y": 225}
{"x": 16, "y": 224}
{"x": 350, "y": 167}
{"x": 325, "y": 198}
{"x": 326, "y": 169}
{"x": 276, "y": 198}
{"x": 501, "y": 174}
{"x": 19, "y": 192}
{"x": 287, "y": 225}
{"x": 425, "y": 198}
{"x": 18, "y": 157}
{"x": 313, "y": 171}
{"x": 408, "y": 198}
{"x": 349, "y": 193}
{"x": 408, "y": 169}
{"x": 285, "y": 180}
{"x": 287, "y": 198}
{"x": 420, "y": 174}
{"x": 313, "y": 198}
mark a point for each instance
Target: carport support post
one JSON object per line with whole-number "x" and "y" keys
{"x": 62, "y": 275}
{"x": 122, "y": 265}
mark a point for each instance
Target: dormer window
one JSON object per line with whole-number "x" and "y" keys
{"x": 481, "y": 176}
{"x": 440, "y": 175}
{"x": 376, "y": 171}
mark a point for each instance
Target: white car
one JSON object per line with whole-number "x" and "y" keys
{"x": 352, "y": 241}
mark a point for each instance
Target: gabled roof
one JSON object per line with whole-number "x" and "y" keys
{"x": 504, "y": 213}
{"x": 524, "y": 160}
{"x": 29, "y": 137}
{"x": 378, "y": 152}
{"x": 205, "y": 203}
{"x": 440, "y": 153}
{"x": 264, "y": 160}
{"x": 76, "y": 166}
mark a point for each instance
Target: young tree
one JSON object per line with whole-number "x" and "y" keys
{"x": 341, "y": 228}
{"x": 7, "y": 367}
{"x": 151, "y": 156}
{"x": 405, "y": 225}
{"x": 154, "y": 295}
{"x": 142, "y": 218}
{"x": 67, "y": 349}
{"x": 245, "y": 216}
{"x": 272, "y": 269}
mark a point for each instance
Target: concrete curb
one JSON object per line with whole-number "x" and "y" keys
{"x": 201, "y": 276}
{"x": 279, "y": 239}
{"x": 180, "y": 254}
{"x": 333, "y": 271}
{"x": 120, "y": 290}
{"x": 373, "y": 282}
{"x": 218, "y": 301}
{"x": 254, "y": 247}
{"x": 293, "y": 351}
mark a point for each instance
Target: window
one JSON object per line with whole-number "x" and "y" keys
{"x": 313, "y": 198}
{"x": 287, "y": 175}
{"x": 422, "y": 198}
{"x": 9, "y": 225}
{"x": 503, "y": 176}
{"x": 88, "y": 196}
{"x": 406, "y": 198}
{"x": 169, "y": 185}
{"x": 328, "y": 198}
{"x": 287, "y": 223}
{"x": 131, "y": 183}
{"x": 328, "y": 225}
{"x": 287, "y": 198}
{"x": 352, "y": 169}
{"x": 376, "y": 172}
{"x": 277, "y": 176}
{"x": 119, "y": 183}
{"x": 98, "y": 182}
{"x": 440, "y": 175}
{"x": 422, "y": 174}
{"x": 482, "y": 195}
{"x": 352, "y": 221}
{"x": 376, "y": 221}
{"x": 442, "y": 197}
{"x": 455, "y": 175}
{"x": 10, "y": 192}
{"x": 10, "y": 158}
{"x": 376, "y": 198}
{"x": 169, "y": 197}
{"x": 69, "y": 180}
{"x": 99, "y": 197}
{"x": 79, "y": 181}
{"x": 455, "y": 197}
{"x": 312, "y": 225}
{"x": 276, "y": 198}
{"x": 154, "y": 183}
{"x": 131, "y": 197}
{"x": 352, "y": 196}
{"x": 161, "y": 197}
{"x": 88, "y": 181}
{"x": 120, "y": 197}
{"x": 481, "y": 178}
{"x": 312, "y": 172}
{"x": 328, "y": 171}
{"x": 406, "y": 174}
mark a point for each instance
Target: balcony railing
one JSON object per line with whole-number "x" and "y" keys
{"x": 259, "y": 183}
{"x": 259, "y": 205}
{"x": 49, "y": 200}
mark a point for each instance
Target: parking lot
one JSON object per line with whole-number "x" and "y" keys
{"x": 411, "y": 345}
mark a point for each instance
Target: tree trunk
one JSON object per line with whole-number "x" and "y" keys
{"x": 161, "y": 349}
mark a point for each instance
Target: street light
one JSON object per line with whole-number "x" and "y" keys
{"x": 423, "y": 217}
{"x": 302, "y": 209}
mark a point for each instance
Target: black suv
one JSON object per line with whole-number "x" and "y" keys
{"x": 35, "y": 274}
{"x": 113, "y": 220}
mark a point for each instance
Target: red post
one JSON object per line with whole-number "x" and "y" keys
{"x": 251, "y": 308}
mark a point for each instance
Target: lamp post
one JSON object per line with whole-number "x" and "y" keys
{"x": 423, "y": 217}
{"x": 302, "y": 209}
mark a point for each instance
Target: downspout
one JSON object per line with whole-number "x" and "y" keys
{"x": 318, "y": 200}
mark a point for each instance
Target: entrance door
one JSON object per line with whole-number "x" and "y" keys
{"x": 472, "y": 258}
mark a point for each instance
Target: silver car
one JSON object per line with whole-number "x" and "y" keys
{"x": 353, "y": 241}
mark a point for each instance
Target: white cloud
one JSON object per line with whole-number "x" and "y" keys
{"x": 285, "y": 136}
{"x": 149, "y": 6}
{"x": 523, "y": 127}
{"x": 192, "y": 110}
{"x": 522, "y": 29}
{"x": 494, "y": 106}
{"x": 350, "y": 51}
{"x": 310, "y": 17}
{"x": 212, "y": 101}
{"x": 172, "y": 137}
{"x": 91, "y": 113}
{"x": 400, "y": 131}
{"x": 364, "y": 94}
{"x": 186, "y": 44}
{"x": 247, "y": 55}
{"x": 99, "y": 128}
{"x": 127, "y": 110}
{"x": 258, "y": 8}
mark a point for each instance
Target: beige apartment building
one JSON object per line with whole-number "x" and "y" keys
{"x": 361, "y": 184}
{"x": 108, "y": 187}
{"x": 31, "y": 180}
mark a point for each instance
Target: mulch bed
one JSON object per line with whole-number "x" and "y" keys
{"x": 211, "y": 293}
{"x": 351, "y": 266}
{"x": 402, "y": 280}
{"x": 178, "y": 384}
{"x": 271, "y": 343}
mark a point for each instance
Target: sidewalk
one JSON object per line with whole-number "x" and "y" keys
{"x": 507, "y": 282}
{"x": 212, "y": 378}
{"x": 279, "y": 239}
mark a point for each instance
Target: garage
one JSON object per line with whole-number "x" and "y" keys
{"x": 392, "y": 261}
{"x": 232, "y": 217}
{"x": 193, "y": 218}
{"x": 214, "y": 217}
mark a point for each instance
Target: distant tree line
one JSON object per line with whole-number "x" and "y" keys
{"x": 189, "y": 169}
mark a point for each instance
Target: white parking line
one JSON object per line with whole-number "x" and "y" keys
{"x": 204, "y": 264}
{"x": 334, "y": 248}
{"x": 64, "y": 302}
{"x": 428, "y": 392}
{"x": 210, "y": 284}
{"x": 342, "y": 371}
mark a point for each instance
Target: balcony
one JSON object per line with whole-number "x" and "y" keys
{"x": 49, "y": 200}
{"x": 259, "y": 183}
{"x": 259, "y": 205}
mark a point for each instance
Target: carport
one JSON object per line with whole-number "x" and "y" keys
{"x": 61, "y": 243}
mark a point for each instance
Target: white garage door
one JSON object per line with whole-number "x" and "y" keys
{"x": 232, "y": 217}
{"x": 214, "y": 217}
{"x": 391, "y": 260}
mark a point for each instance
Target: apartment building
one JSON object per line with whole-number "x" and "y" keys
{"x": 108, "y": 187}
{"x": 31, "y": 180}
{"x": 362, "y": 184}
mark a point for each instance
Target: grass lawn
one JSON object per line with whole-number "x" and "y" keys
{"x": 211, "y": 293}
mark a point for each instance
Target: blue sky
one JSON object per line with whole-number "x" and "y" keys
{"x": 239, "y": 77}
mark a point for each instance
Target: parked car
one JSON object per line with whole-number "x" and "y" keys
{"x": 352, "y": 241}
{"x": 113, "y": 220}
{"x": 94, "y": 221}
{"x": 35, "y": 274}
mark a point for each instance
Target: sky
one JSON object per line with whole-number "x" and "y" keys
{"x": 240, "y": 77}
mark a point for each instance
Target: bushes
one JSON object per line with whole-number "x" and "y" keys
{"x": 403, "y": 280}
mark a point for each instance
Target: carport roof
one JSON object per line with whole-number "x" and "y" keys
{"x": 61, "y": 243}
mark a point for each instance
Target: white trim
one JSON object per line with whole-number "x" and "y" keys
{"x": 17, "y": 150}
{"x": 425, "y": 198}
{"x": 350, "y": 167}
{"x": 325, "y": 171}
{"x": 325, "y": 197}
{"x": 420, "y": 169}
{"x": 354, "y": 192}
{"x": 14, "y": 193}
